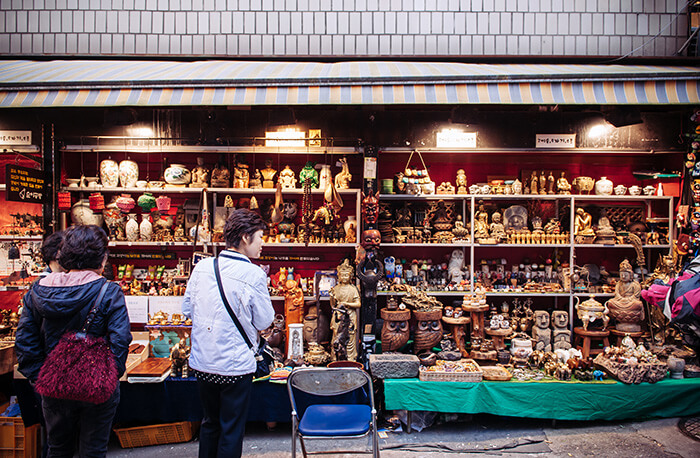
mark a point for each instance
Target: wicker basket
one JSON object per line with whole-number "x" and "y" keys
{"x": 441, "y": 376}
{"x": 156, "y": 434}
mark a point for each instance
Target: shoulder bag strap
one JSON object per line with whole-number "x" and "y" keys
{"x": 95, "y": 307}
{"x": 228, "y": 306}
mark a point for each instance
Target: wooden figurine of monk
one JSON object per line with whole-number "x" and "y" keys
{"x": 293, "y": 304}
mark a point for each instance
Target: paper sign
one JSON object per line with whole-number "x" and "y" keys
{"x": 167, "y": 304}
{"x": 455, "y": 138}
{"x": 370, "y": 168}
{"x": 556, "y": 141}
{"x": 138, "y": 308}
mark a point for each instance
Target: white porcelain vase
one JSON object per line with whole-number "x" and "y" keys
{"x": 109, "y": 173}
{"x": 81, "y": 214}
{"x": 603, "y": 187}
{"x": 145, "y": 228}
{"x": 132, "y": 228}
{"x": 128, "y": 173}
{"x": 177, "y": 174}
{"x": 325, "y": 177}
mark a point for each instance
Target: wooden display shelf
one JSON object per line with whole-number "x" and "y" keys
{"x": 185, "y": 190}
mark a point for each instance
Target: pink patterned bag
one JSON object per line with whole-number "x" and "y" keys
{"x": 80, "y": 367}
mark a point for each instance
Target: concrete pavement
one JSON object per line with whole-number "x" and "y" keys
{"x": 483, "y": 435}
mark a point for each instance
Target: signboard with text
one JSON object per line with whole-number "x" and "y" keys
{"x": 15, "y": 137}
{"x": 24, "y": 184}
{"x": 555, "y": 141}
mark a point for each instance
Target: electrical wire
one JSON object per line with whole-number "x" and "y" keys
{"x": 651, "y": 39}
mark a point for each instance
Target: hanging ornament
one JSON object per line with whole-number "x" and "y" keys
{"x": 64, "y": 200}
{"x": 97, "y": 201}
{"x": 228, "y": 202}
{"x": 125, "y": 203}
{"x": 163, "y": 203}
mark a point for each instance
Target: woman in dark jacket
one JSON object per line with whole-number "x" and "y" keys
{"x": 58, "y": 303}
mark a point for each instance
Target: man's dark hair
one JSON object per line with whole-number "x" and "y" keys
{"x": 242, "y": 222}
{"x": 84, "y": 247}
{"x": 51, "y": 246}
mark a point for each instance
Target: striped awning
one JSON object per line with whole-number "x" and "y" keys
{"x": 209, "y": 83}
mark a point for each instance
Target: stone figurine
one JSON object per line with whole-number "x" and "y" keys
{"x": 541, "y": 333}
{"x": 293, "y": 304}
{"x": 561, "y": 335}
{"x": 200, "y": 175}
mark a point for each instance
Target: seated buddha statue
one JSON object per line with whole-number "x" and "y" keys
{"x": 626, "y": 307}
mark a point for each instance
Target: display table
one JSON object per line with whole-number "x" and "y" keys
{"x": 552, "y": 400}
{"x": 177, "y": 399}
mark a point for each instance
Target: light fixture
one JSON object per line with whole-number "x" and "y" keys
{"x": 599, "y": 130}
{"x": 140, "y": 131}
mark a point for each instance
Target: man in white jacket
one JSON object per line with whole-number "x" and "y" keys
{"x": 220, "y": 357}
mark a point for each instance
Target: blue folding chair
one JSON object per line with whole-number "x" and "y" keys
{"x": 332, "y": 421}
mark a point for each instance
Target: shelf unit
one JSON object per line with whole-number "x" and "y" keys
{"x": 469, "y": 207}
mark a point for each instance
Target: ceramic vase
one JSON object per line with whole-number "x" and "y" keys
{"x": 146, "y": 228}
{"x": 350, "y": 225}
{"x": 109, "y": 173}
{"x": 675, "y": 366}
{"x": 603, "y": 187}
{"x": 128, "y": 173}
{"x": 177, "y": 174}
{"x": 325, "y": 177}
{"x": 132, "y": 228}
{"x": 81, "y": 214}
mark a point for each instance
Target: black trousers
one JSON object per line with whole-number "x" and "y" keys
{"x": 225, "y": 413}
{"x": 89, "y": 424}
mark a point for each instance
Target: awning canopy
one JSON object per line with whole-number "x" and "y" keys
{"x": 81, "y": 83}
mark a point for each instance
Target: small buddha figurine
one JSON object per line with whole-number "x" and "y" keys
{"x": 563, "y": 185}
{"x": 461, "y": 182}
{"x": 241, "y": 176}
{"x": 287, "y": 178}
{"x": 200, "y": 175}
{"x": 550, "y": 183}
{"x": 481, "y": 225}
{"x": 345, "y": 295}
{"x": 533, "y": 183}
{"x": 268, "y": 175}
{"x": 543, "y": 183}
{"x": 220, "y": 176}
{"x": 605, "y": 233}
{"x": 497, "y": 229}
{"x": 626, "y": 307}
{"x": 255, "y": 181}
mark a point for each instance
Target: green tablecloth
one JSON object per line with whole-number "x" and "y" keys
{"x": 556, "y": 400}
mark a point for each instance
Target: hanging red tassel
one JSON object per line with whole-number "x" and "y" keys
{"x": 63, "y": 199}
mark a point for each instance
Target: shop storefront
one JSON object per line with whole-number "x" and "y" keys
{"x": 159, "y": 152}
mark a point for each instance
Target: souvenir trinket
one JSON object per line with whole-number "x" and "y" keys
{"x": 109, "y": 173}
{"x": 200, "y": 175}
{"x": 128, "y": 173}
{"x": 177, "y": 175}
{"x": 342, "y": 179}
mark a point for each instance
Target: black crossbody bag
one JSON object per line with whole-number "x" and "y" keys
{"x": 263, "y": 355}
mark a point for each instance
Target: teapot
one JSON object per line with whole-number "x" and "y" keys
{"x": 591, "y": 310}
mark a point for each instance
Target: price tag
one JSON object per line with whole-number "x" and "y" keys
{"x": 370, "y": 167}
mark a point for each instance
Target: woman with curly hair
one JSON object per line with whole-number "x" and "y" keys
{"x": 58, "y": 303}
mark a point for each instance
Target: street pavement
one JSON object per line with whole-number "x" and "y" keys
{"x": 482, "y": 435}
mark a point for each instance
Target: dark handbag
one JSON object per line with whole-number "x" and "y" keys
{"x": 263, "y": 354}
{"x": 80, "y": 367}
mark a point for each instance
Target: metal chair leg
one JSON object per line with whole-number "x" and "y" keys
{"x": 294, "y": 438}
